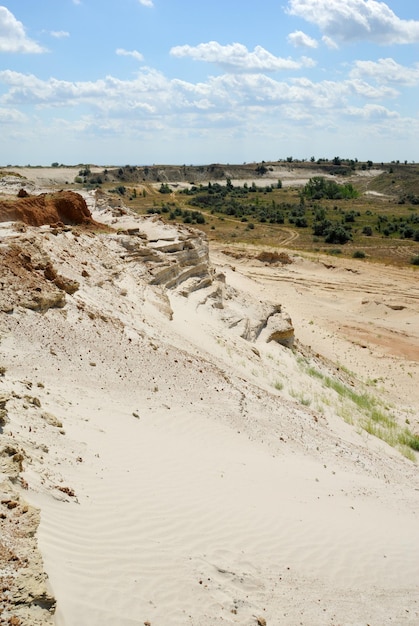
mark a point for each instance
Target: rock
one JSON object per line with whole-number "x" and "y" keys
{"x": 51, "y": 419}
{"x": 180, "y": 260}
{"x": 252, "y": 321}
{"x": 4, "y": 398}
{"x": 279, "y": 328}
{"x": 3, "y": 417}
{"x": 24, "y": 595}
{"x": 32, "y": 589}
{"x": 29, "y": 279}
{"x": 66, "y": 207}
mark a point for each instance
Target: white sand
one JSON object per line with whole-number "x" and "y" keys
{"x": 203, "y": 495}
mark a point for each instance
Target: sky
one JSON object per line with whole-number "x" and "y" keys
{"x": 141, "y": 82}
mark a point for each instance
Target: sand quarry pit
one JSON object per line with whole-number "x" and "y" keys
{"x": 184, "y": 467}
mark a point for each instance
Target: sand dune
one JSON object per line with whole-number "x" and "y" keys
{"x": 196, "y": 478}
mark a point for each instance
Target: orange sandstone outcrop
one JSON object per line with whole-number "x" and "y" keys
{"x": 66, "y": 207}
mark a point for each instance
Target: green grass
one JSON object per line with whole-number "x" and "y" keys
{"x": 373, "y": 416}
{"x": 301, "y": 397}
{"x": 409, "y": 439}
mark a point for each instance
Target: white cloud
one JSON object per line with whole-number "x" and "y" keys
{"x": 371, "y": 92}
{"x": 151, "y": 92}
{"x": 329, "y": 42}
{"x": 247, "y": 104}
{"x": 148, "y": 88}
{"x": 236, "y": 57}
{"x": 12, "y": 116}
{"x": 354, "y": 20}
{"x": 217, "y": 112}
{"x": 13, "y": 37}
{"x": 59, "y": 34}
{"x": 130, "y": 53}
{"x": 146, "y": 3}
{"x": 372, "y": 112}
{"x": 386, "y": 71}
{"x": 300, "y": 39}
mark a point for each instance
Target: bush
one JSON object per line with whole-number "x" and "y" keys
{"x": 415, "y": 260}
{"x": 318, "y": 187}
{"x": 321, "y": 227}
{"x": 300, "y": 222}
{"x": 358, "y": 254}
{"x": 337, "y": 234}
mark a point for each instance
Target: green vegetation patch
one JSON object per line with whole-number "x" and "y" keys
{"x": 375, "y": 418}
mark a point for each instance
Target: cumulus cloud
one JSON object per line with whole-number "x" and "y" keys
{"x": 355, "y": 20}
{"x": 300, "y": 39}
{"x": 372, "y": 112}
{"x": 151, "y": 96}
{"x": 146, "y": 3}
{"x": 371, "y": 92}
{"x": 130, "y": 53}
{"x": 236, "y": 57}
{"x": 109, "y": 92}
{"x": 386, "y": 71}
{"x": 13, "y": 37}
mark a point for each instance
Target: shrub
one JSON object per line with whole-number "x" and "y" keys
{"x": 415, "y": 260}
{"x": 318, "y": 187}
{"x": 337, "y": 233}
{"x": 359, "y": 254}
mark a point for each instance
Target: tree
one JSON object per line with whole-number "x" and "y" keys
{"x": 318, "y": 187}
{"x": 337, "y": 233}
{"x": 261, "y": 170}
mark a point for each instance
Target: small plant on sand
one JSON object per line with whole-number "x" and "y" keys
{"x": 301, "y": 397}
{"x": 366, "y": 410}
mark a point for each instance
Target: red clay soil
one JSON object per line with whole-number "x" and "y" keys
{"x": 65, "y": 207}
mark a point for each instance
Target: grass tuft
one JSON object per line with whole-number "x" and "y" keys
{"x": 375, "y": 417}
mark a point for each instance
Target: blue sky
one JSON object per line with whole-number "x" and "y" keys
{"x": 187, "y": 81}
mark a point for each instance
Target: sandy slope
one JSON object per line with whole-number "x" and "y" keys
{"x": 186, "y": 486}
{"x": 359, "y": 315}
